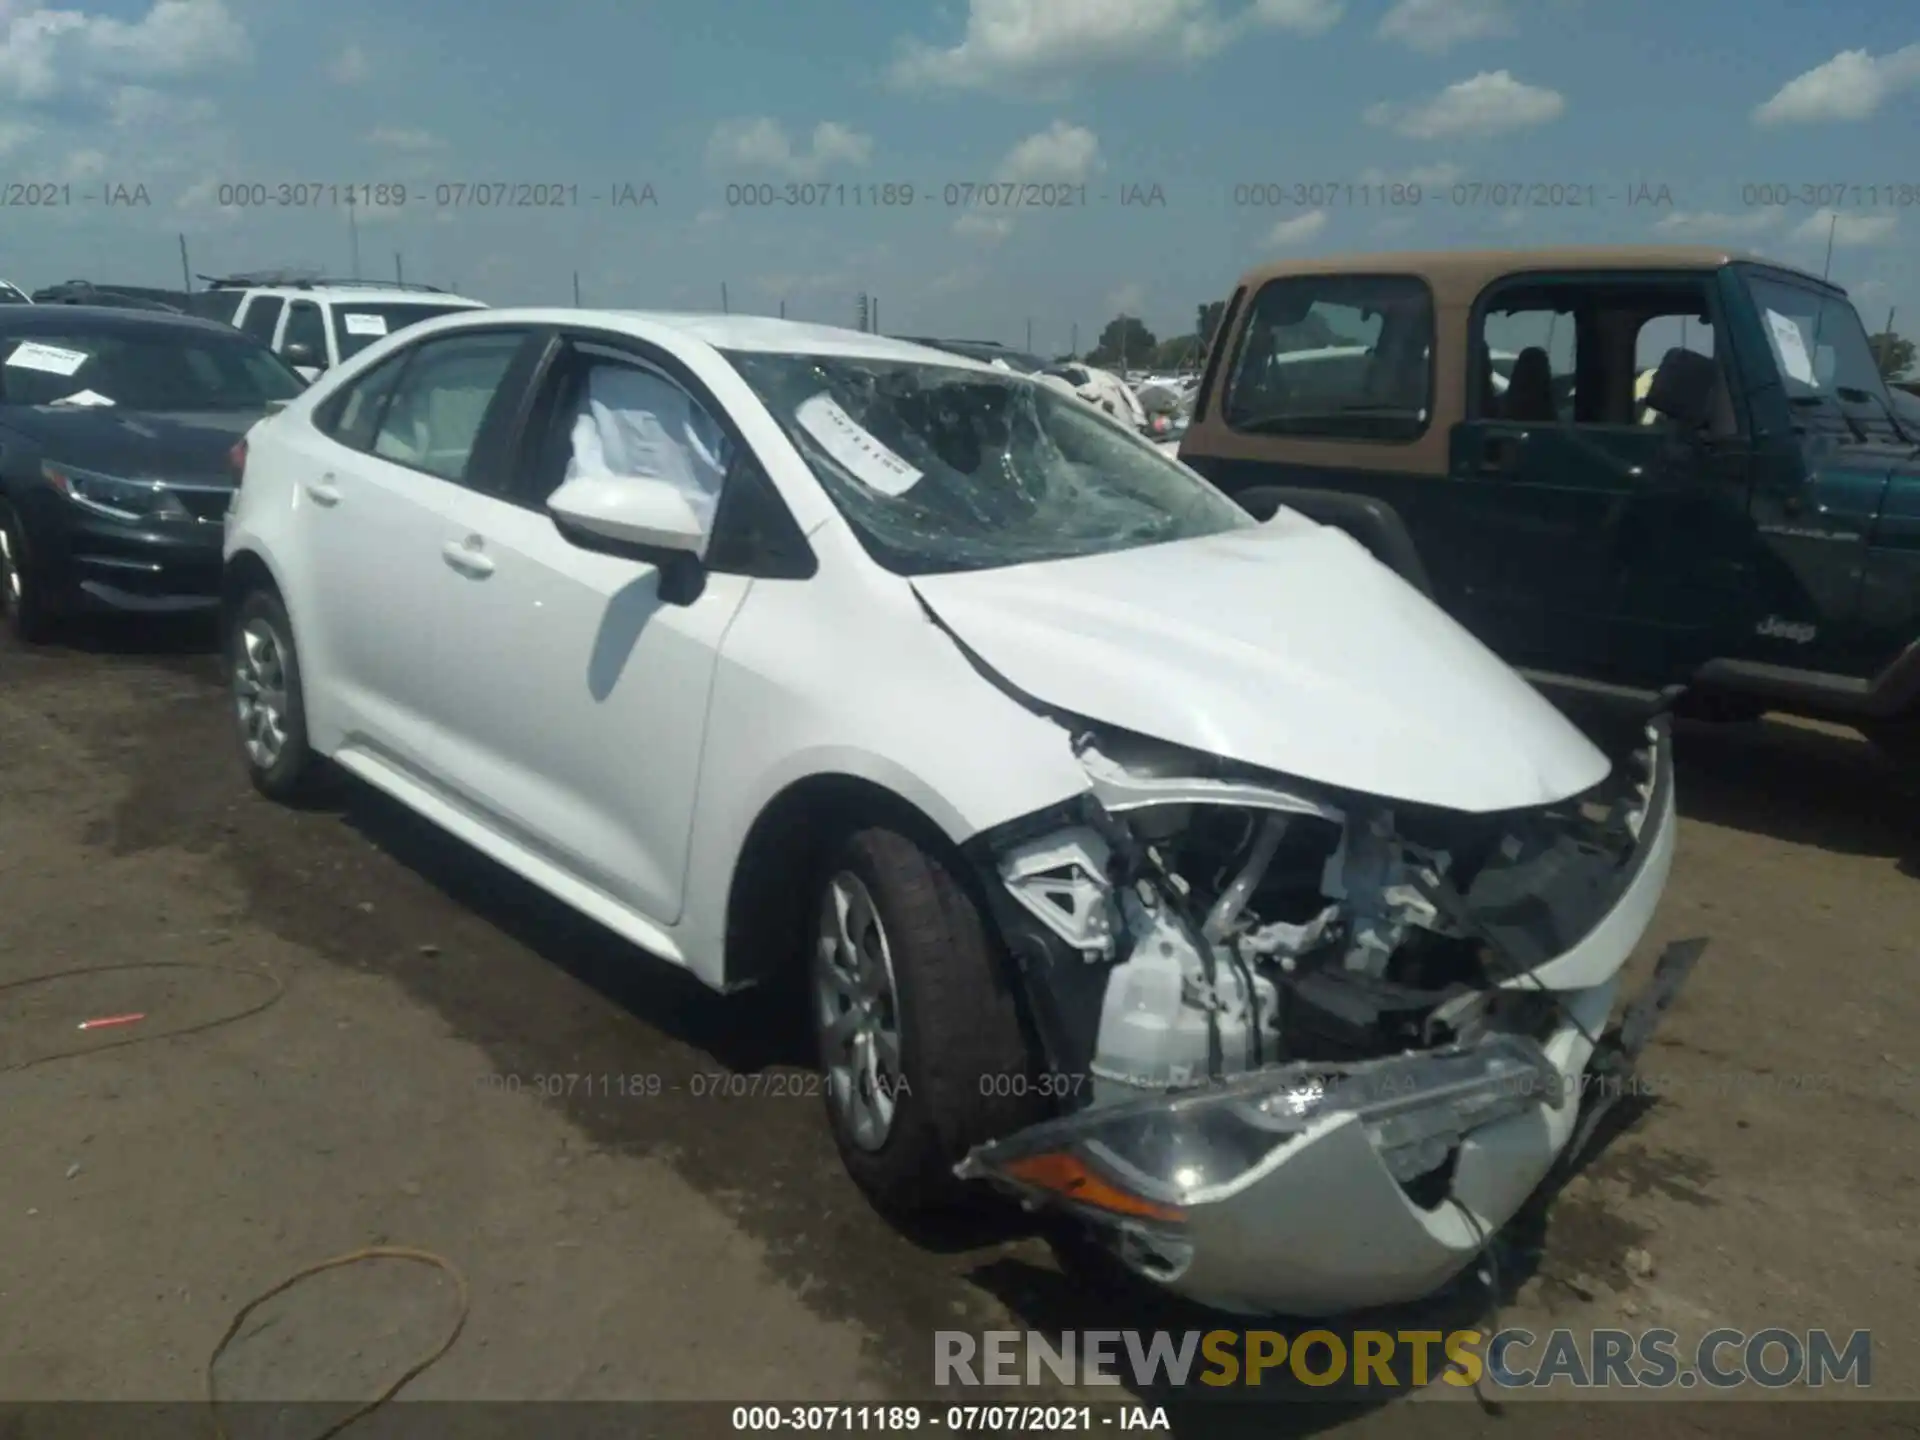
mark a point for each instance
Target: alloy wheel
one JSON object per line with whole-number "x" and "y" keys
{"x": 857, "y": 1012}
{"x": 260, "y": 692}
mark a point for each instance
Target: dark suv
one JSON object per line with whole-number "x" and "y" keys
{"x": 1660, "y": 474}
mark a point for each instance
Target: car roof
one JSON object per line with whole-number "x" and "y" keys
{"x": 103, "y": 319}
{"x": 1458, "y": 275}
{"x": 759, "y": 334}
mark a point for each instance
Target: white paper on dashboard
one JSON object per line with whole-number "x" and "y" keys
{"x": 1792, "y": 347}
{"x": 49, "y": 359}
{"x": 847, "y": 441}
{"x": 366, "y": 324}
{"x": 84, "y": 397}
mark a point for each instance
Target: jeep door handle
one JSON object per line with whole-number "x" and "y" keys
{"x": 324, "y": 491}
{"x": 465, "y": 556}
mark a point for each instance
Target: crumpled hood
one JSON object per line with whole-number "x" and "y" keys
{"x": 1287, "y": 647}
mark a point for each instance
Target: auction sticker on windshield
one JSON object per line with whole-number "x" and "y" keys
{"x": 848, "y": 442}
{"x": 366, "y": 324}
{"x": 1792, "y": 347}
{"x": 50, "y": 359}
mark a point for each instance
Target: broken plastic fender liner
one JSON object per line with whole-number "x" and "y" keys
{"x": 1068, "y": 1177}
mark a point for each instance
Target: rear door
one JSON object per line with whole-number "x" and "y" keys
{"x": 377, "y": 495}
{"x": 1598, "y": 542}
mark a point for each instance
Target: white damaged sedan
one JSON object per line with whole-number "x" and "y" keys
{"x": 1193, "y": 875}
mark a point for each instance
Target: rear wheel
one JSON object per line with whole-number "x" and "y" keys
{"x": 269, "y": 707}
{"x": 919, "y": 1033}
{"x": 28, "y": 615}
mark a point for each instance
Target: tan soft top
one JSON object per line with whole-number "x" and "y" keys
{"x": 1457, "y": 276}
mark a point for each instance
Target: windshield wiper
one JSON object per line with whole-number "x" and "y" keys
{"x": 1860, "y": 397}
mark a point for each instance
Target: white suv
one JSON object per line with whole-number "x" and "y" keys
{"x": 315, "y": 325}
{"x": 1195, "y": 875}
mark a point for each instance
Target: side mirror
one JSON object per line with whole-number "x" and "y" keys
{"x": 298, "y": 352}
{"x": 1683, "y": 389}
{"x": 636, "y": 518}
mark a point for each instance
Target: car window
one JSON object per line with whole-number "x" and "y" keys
{"x": 358, "y": 324}
{"x": 1345, "y": 357}
{"x": 306, "y": 326}
{"x": 155, "y": 368}
{"x": 622, "y": 420}
{"x": 1825, "y": 360}
{"x": 263, "y": 314}
{"x": 1584, "y": 352}
{"x": 351, "y": 415}
{"x": 436, "y": 410}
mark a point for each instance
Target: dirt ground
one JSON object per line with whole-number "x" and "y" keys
{"x": 625, "y": 1245}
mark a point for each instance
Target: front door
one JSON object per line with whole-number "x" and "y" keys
{"x": 576, "y": 697}
{"x": 1603, "y": 543}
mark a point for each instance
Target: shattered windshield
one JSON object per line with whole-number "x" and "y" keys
{"x": 944, "y": 469}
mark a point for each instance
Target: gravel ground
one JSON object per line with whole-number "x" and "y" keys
{"x": 619, "y": 1245}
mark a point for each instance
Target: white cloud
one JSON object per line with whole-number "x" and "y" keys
{"x": 762, "y": 143}
{"x": 350, "y": 67}
{"x": 1846, "y": 230}
{"x": 137, "y": 107}
{"x": 1299, "y": 229}
{"x": 1025, "y": 40}
{"x": 412, "y": 141}
{"x": 1491, "y": 103}
{"x": 48, "y": 54}
{"x": 1436, "y": 26}
{"x": 991, "y": 229}
{"x": 1850, "y": 86}
{"x": 1129, "y": 299}
{"x": 1061, "y": 154}
{"x": 1714, "y": 225}
{"x": 1428, "y": 177}
{"x": 14, "y": 136}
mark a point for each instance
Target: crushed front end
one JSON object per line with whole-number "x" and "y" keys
{"x": 1316, "y": 1047}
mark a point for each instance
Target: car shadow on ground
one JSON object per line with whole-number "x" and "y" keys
{"x": 1809, "y": 785}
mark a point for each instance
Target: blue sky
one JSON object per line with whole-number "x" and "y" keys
{"x": 1703, "y": 100}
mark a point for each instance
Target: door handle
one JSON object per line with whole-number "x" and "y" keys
{"x": 324, "y": 491}
{"x": 1499, "y": 453}
{"x": 465, "y": 556}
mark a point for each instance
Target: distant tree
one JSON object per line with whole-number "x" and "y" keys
{"x": 1895, "y": 354}
{"x": 1179, "y": 353}
{"x": 1208, "y": 321}
{"x": 1125, "y": 341}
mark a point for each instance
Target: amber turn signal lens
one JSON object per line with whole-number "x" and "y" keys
{"x": 1068, "y": 1177}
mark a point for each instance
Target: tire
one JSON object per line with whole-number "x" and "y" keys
{"x": 260, "y": 650}
{"x": 960, "y": 1067}
{"x": 29, "y": 618}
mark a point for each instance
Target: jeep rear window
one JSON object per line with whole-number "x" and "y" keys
{"x": 1343, "y": 357}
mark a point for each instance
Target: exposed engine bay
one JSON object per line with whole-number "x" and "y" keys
{"x": 1223, "y": 924}
{"x": 1313, "y": 1047}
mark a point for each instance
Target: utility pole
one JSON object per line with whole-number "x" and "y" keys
{"x": 353, "y": 234}
{"x": 576, "y": 289}
{"x": 186, "y": 270}
{"x": 725, "y": 308}
{"x": 1076, "y": 340}
{"x": 783, "y": 309}
{"x": 1832, "y": 227}
{"x": 1029, "y": 334}
{"x": 876, "y": 314}
{"x": 399, "y": 271}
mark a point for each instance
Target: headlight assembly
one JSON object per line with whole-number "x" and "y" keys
{"x": 1148, "y": 1160}
{"x": 116, "y": 496}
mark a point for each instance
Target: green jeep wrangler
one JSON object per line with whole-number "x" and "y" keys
{"x": 1658, "y": 475}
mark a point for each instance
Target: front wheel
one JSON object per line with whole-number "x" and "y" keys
{"x": 269, "y": 706}
{"x": 28, "y": 615}
{"x": 919, "y": 1032}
